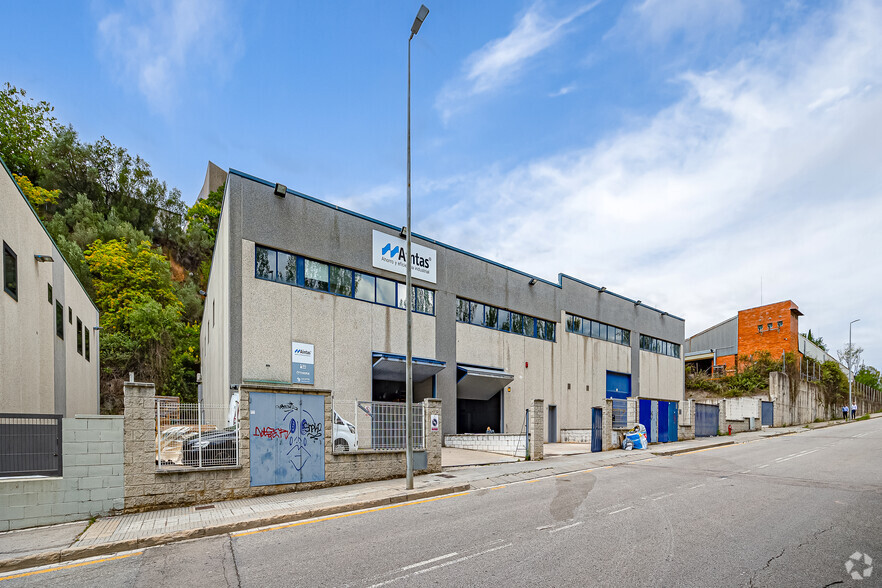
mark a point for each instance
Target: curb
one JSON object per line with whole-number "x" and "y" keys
{"x": 75, "y": 553}
{"x": 690, "y": 449}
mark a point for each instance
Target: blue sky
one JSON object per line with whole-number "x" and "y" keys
{"x": 676, "y": 151}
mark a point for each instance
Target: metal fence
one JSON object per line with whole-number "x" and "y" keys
{"x": 624, "y": 413}
{"x": 378, "y": 426}
{"x": 30, "y": 445}
{"x": 194, "y": 435}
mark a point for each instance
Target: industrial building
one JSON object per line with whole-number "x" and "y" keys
{"x": 304, "y": 292}
{"x": 49, "y": 349}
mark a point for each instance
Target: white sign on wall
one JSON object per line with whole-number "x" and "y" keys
{"x": 302, "y": 363}
{"x": 389, "y": 253}
{"x": 435, "y": 422}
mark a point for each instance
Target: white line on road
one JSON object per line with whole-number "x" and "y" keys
{"x": 621, "y": 510}
{"x": 566, "y": 527}
{"x": 798, "y": 455}
{"x": 663, "y": 496}
{"x": 447, "y": 563}
{"x": 428, "y": 561}
{"x": 699, "y": 486}
{"x": 762, "y": 466}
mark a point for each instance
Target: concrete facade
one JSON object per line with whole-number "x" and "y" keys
{"x": 40, "y": 371}
{"x": 250, "y": 323}
{"x": 147, "y": 488}
{"x": 91, "y": 484}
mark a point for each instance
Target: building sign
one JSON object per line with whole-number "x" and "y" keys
{"x": 435, "y": 422}
{"x": 302, "y": 363}
{"x": 390, "y": 253}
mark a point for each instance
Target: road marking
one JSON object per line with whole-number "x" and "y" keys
{"x": 347, "y": 514}
{"x": 663, "y": 496}
{"x": 699, "y": 486}
{"x": 803, "y": 454}
{"x": 500, "y": 487}
{"x": 428, "y": 561}
{"x": 566, "y": 527}
{"x": 543, "y": 528}
{"x": 745, "y": 471}
{"x": 765, "y": 465}
{"x": 621, "y": 510}
{"x": 534, "y": 481}
{"x": 70, "y": 566}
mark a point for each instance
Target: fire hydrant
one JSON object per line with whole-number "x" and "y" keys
{"x": 730, "y": 429}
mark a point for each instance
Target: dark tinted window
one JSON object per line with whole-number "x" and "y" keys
{"x": 59, "y": 319}
{"x": 10, "y": 271}
{"x": 264, "y": 263}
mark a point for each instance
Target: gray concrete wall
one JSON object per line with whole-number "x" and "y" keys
{"x": 302, "y": 225}
{"x": 147, "y": 489}
{"x": 91, "y": 485}
{"x": 40, "y": 373}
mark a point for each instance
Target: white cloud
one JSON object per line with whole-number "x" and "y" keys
{"x": 656, "y": 21}
{"x": 563, "y": 91}
{"x": 500, "y": 61}
{"x": 158, "y": 44}
{"x": 752, "y": 175}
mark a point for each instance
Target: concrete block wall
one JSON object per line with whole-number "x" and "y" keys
{"x": 147, "y": 489}
{"x": 537, "y": 429}
{"x": 509, "y": 444}
{"x": 608, "y": 442}
{"x": 575, "y": 435}
{"x": 91, "y": 482}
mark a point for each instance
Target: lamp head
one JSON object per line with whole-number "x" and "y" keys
{"x": 418, "y": 21}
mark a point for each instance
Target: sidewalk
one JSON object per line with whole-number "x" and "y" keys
{"x": 58, "y": 543}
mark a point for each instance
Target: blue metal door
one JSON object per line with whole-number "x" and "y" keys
{"x": 287, "y": 438}
{"x": 653, "y": 430}
{"x": 644, "y": 410}
{"x": 596, "y": 429}
{"x": 663, "y": 421}
{"x": 618, "y": 387}
{"x": 768, "y": 414}
{"x": 673, "y": 421}
{"x": 707, "y": 420}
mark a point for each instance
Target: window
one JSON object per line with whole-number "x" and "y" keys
{"x": 315, "y": 275}
{"x": 87, "y": 335}
{"x": 484, "y": 315}
{"x": 341, "y": 281}
{"x": 597, "y": 330}
{"x": 364, "y": 287}
{"x": 491, "y": 317}
{"x": 476, "y": 313}
{"x": 504, "y": 320}
{"x": 79, "y": 336}
{"x": 69, "y": 315}
{"x": 780, "y": 324}
{"x": 424, "y": 300}
{"x": 759, "y": 328}
{"x": 386, "y": 292}
{"x": 264, "y": 263}
{"x": 50, "y": 292}
{"x": 286, "y": 268}
{"x": 59, "y": 320}
{"x": 462, "y": 310}
{"x": 659, "y": 346}
{"x": 770, "y": 326}
{"x": 10, "y": 271}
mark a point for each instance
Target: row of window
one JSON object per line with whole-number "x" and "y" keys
{"x": 491, "y": 317}
{"x": 597, "y": 330}
{"x": 10, "y": 286}
{"x": 84, "y": 339}
{"x": 648, "y": 343}
{"x": 760, "y": 326}
{"x": 295, "y": 270}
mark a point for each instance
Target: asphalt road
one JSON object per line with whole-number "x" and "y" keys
{"x": 786, "y": 511}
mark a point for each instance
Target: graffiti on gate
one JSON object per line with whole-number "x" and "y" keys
{"x": 288, "y": 441}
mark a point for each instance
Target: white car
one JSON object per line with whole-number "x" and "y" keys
{"x": 345, "y": 437}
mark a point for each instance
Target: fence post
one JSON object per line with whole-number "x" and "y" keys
{"x": 199, "y": 445}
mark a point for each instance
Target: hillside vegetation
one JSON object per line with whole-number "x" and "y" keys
{"x": 139, "y": 251}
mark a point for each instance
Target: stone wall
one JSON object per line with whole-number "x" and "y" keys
{"x": 608, "y": 442}
{"x": 508, "y": 444}
{"x": 537, "y": 430}
{"x": 91, "y": 484}
{"x": 575, "y": 435}
{"x": 146, "y": 488}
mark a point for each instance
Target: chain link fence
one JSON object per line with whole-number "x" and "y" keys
{"x": 377, "y": 426}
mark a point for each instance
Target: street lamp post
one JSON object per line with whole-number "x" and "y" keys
{"x": 850, "y": 360}
{"x": 408, "y": 404}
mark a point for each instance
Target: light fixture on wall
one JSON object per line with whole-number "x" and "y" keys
{"x": 280, "y": 190}
{"x": 532, "y": 281}
{"x": 403, "y": 233}
{"x": 602, "y": 289}
{"x": 638, "y": 303}
{"x": 664, "y": 313}
{"x": 43, "y": 258}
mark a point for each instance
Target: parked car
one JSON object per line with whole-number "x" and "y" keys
{"x": 170, "y": 442}
{"x": 217, "y": 448}
{"x": 345, "y": 436}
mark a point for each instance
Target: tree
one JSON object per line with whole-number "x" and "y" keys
{"x": 25, "y": 125}
{"x": 850, "y": 355}
{"x": 869, "y": 376}
{"x": 39, "y": 198}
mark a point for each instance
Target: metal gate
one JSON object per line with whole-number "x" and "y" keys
{"x": 618, "y": 387}
{"x": 287, "y": 438}
{"x": 552, "y": 423}
{"x": 707, "y": 420}
{"x": 596, "y": 429}
{"x": 768, "y": 414}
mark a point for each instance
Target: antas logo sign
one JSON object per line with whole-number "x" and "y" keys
{"x": 400, "y": 254}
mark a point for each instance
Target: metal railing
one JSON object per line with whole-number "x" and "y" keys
{"x": 30, "y": 445}
{"x": 194, "y": 435}
{"x": 378, "y": 426}
{"x": 624, "y": 413}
